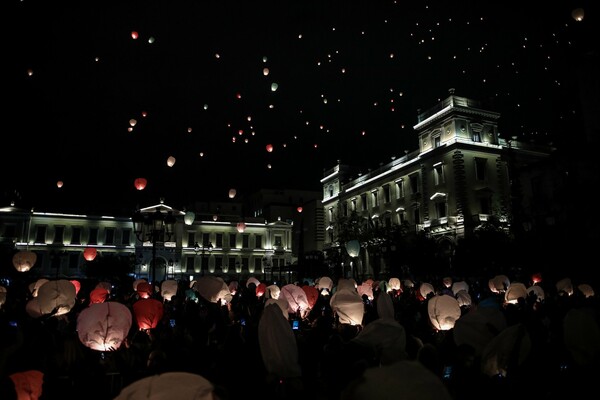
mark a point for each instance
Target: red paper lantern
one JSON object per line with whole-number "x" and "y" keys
{"x": 148, "y": 313}
{"x": 90, "y": 253}
{"x": 140, "y": 183}
{"x": 299, "y": 209}
{"x": 241, "y": 227}
{"x": 270, "y": 148}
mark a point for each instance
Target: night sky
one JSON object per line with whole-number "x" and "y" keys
{"x": 197, "y": 77}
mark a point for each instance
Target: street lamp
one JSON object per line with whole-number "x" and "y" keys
{"x": 202, "y": 249}
{"x": 153, "y": 227}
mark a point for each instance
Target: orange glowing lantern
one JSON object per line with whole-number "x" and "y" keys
{"x": 148, "y": 313}
{"x": 59, "y": 184}
{"x": 140, "y": 183}
{"x": 232, "y": 193}
{"x": 171, "y": 161}
{"x": 24, "y": 260}
{"x": 241, "y": 227}
{"x": 132, "y": 122}
{"x": 98, "y": 295}
{"x": 77, "y": 285}
{"x": 144, "y": 289}
{"x": 536, "y": 278}
{"x": 90, "y": 253}
{"x": 265, "y": 71}
{"x": 134, "y": 35}
{"x": 578, "y": 14}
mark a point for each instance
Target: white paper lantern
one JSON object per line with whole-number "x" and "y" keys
{"x": 514, "y": 292}
{"x": 394, "y": 284}
{"x": 189, "y": 218}
{"x": 56, "y": 297}
{"x": 171, "y": 161}
{"x": 104, "y": 326}
{"x": 348, "y": 306}
{"x": 168, "y": 289}
{"x": 35, "y": 286}
{"x": 458, "y": 286}
{"x": 213, "y": 289}
{"x": 353, "y": 248}
{"x": 538, "y": 291}
{"x": 443, "y": 311}
{"x": 169, "y": 386}
{"x": 586, "y": 290}
{"x": 426, "y": 289}
{"x": 296, "y": 298}
{"x": 499, "y": 284}
{"x": 24, "y": 260}
{"x": 564, "y": 286}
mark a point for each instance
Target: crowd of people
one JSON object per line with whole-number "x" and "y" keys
{"x": 396, "y": 344}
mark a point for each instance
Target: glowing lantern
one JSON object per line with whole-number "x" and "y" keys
{"x": 577, "y": 14}
{"x": 24, "y": 260}
{"x": 443, "y": 312}
{"x": 134, "y": 35}
{"x": 213, "y": 289}
{"x": 347, "y": 304}
{"x": 353, "y": 248}
{"x": 499, "y": 284}
{"x": 171, "y": 161}
{"x": 324, "y": 282}
{"x": 394, "y": 284}
{"x": 56, "y": 297}
{"x": 132, "y": 122}
{"x": 538, "y": 291}
{"x": 144, "y": 289}
{"x": 260, "y": 290}
{"x": 168, "y": 289}
{"x": 253, "y": 280}
{"x": 536, "y": 278}
{"x": 169, "y": 385}
{"x": 426, "y": 289}
{"x": 458, "y": 286}
{"x": 447, "y": 281}
{"x": 59, "y": 184}
{"x": 35, "y": 286}
{"x": 232, "y": 193}
{"x": 241, "y": 227}
{"x": 366, "y": 288}
{"x": 299, "y": 209}
{"x": 189, "y": 217}
{"x": 148, "y": 313}
{"x": 272, "y": 292}
{"x": 586, "y": 290}
{"x": 77, "y": 285}
{"x": 312, "y": 295}
{"x": 104, "y": 326}
{"x": 90, "y": 253}
{"x": 513, "y": 343}
{"x": 98, "y": 295}
{"x": 296, "y": 297}
{"x": 464, "y": 298}
{"x": 104, "y": 285}
{"x": 274, "y": 87}
{"x": 137, "y": 282}
{"x": 514, "y": 292}
{"x": 215, "y": 217}
{"x": 269, "y": 148}
{"x": 140, "y": 183}
{"x": 265, "y": 71}
{"x": 28, "y": 384}
{"x": 564, "y": 286}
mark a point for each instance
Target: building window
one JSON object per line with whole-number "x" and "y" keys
{"x": 205, "y": 239}
{"x": 417, "y": 215}
{"x": 330, "y": 190}
{"x": 231, "y": 262}
{"x": 278, "y": 241}
{"x": 438, "y": 174}
{"x": 232, "y": 240}
{"x": 40, "y": 234}
{"x": 93, "y": 239}
{"x": 399, "y": 189}
{"x": 330, "y": 214}
{"x": 441, "y": 209}
{"x": 345, "y": 209}
{"x": 245, "y": 241}
{"x": 437, "y": 141}
{"x": 109, "y": 234}
{"x": 245, "y": 263}
{"x": 218, "y": 263}
{"x": 387, "y": 220}
{"x": 486, "y": 205}
{"x": 363, "y": 201}
{"x": 414, "y": 183}
{"x": 353, "y": 204}
{"x": 75, "y": 235}
{"x": 387, "y": 197}
{"x": 375, "y": 196}
{"x": 476, "y": 137}
{"x": 257, "y": 264}
{"x": 59, "y": 233}
{"x": 258, "y": 241}
{"x": 189, "y": 264}
{"x": 126, "y": 237}
{"x": 401, "y": 217}
{"x": 74, "y": 260}
{"x": 191, "y": 239}
{"x": 219, "y": 242}
{"x": 480, "y": 166}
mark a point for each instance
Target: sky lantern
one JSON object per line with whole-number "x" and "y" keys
{"x": 28, "y": 384}
{"x": 90, "y": 253}
{"x": 59, "y": 184}
{"x": 586, "y": 290}
{"x": 353, "y": 248}
{"x": 104, "y": 326}
{"x": 134, "y": 35}
{"x": 132, "y": 122}
{"x": 577, "y": 14}
{"x": 56, "y": 297}
{"x": 241, "y": 227}
{"x": 144, "y": 289}
{"x": 169, "y": 385}
{"x": 265, "y": 71}
{"x": 564, "y": 286}
{"x": 274, "y": 87}
{"x": 232, "y": 193}
{"x": 536, "y": 277}
{"x": 443, "y": 312}
{"x": 148, "y": 313}
{"x": 189, "y": 217}
{"x": 168, "y": 289}
{"x": 140, "y": 183}
{"x": 264, "y": 59}
{"x": 2, "y": 295}
{"x": 299, "y": 209}
{"x": 171, "y": 161}
{"x": 269, "y": 148}
{"x": 34, "y": 287}
{"x": 24, "y": 260}
{"x": 98, "y": 295}
{"x": 215, "y": 217}
{"x": 77, "y": 285}
{"x": 514, "y": 292}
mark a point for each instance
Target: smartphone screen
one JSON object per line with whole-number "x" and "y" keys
{"x": 172, "y": 322}
{"x": 295, "y": 324}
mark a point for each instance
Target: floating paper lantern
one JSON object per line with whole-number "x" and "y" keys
{"x": 134, "y": 35}
{"x": 536, "y": 278}
{"x": 443, "y": 312}
{"x": 296, "y": 298}
{"x": 299, "y": 209}
{"x": 458, "y": 286}
{"x": 59, "y": 184}
{"x": 77, "y": 285}
{"x": 265, "y": 71}
{"x": 137, "y": 282}
{"x": 353, "y": 248}
{"x": 171, "y": 161}
{"x": 464, "y": 298}
{"x": 98, "y": 295}
{"x": 169, "y": 385}
{"x": 56, "y": 297}
{"x": 232, "y": 193}
{"x": 564, "y": 286}
{"x": 140, "y": 183}
{"x": 347, "y": 304}
{"x": 366, "y": 288}
{"x": 90, "y": 253}
{"x": 269, "y": 148}
{"x": 215, "y": 217}
{"x": 104, "y": 326}
{"x": 274, "y": 87}
{"x": 260, "y": 290}
{"x": 538, "y": 291}
{"x": 241, "y": 227}
{"x": 447, "y": 281}
{"x": 132, "y": 122}
{"x": 426, "y": 289}
{"x": 213, "y": 289}
{"x": 144, "y": 290}
{"x": 586, "y": 290}
{"x": 312, "y": 295}
{"x": 578, "y": 14}
{"x": 168, "y": 289}
{"x": 499, "y": 284}
{"x": 24, "y": 260}
{"x": 324, "y": 282}
{"x": 514, "y": 292}
{"x": 148, "y": 313}
{"x": 189, "y": 217}
{"x": 34, "y": 287}
{"x": 394, "y": 284}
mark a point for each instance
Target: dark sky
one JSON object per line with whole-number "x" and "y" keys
{"x": 351, "y": 77}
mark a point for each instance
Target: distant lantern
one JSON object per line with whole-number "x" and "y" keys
{"x": 90, "y": 253}
{"x": 299, "y": 209}
{"x": 132, "y": 122}
{"x": 189, "y": 217}
{"x": 577, "y": 14}
{"x": 265, "y": 59}
{"x": 241, "y": 227}
{"x": 274, "y": 87}
{"x": 134, "y": 35}
{"x": 104, "y": 326}
{"x": 269, "y": 148}
{"x": 232, "y": 193}
{"x": 215, "y": 217}
{"x": 171, "y": 161}
{"x": 140, "y": 183}
{"x": 265, "y": 71}
{"x": 353, "y": 248}
{"x": 144, "y": 114}
{"x": 59, "y": 184}
{"x": 24, "y": 260}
